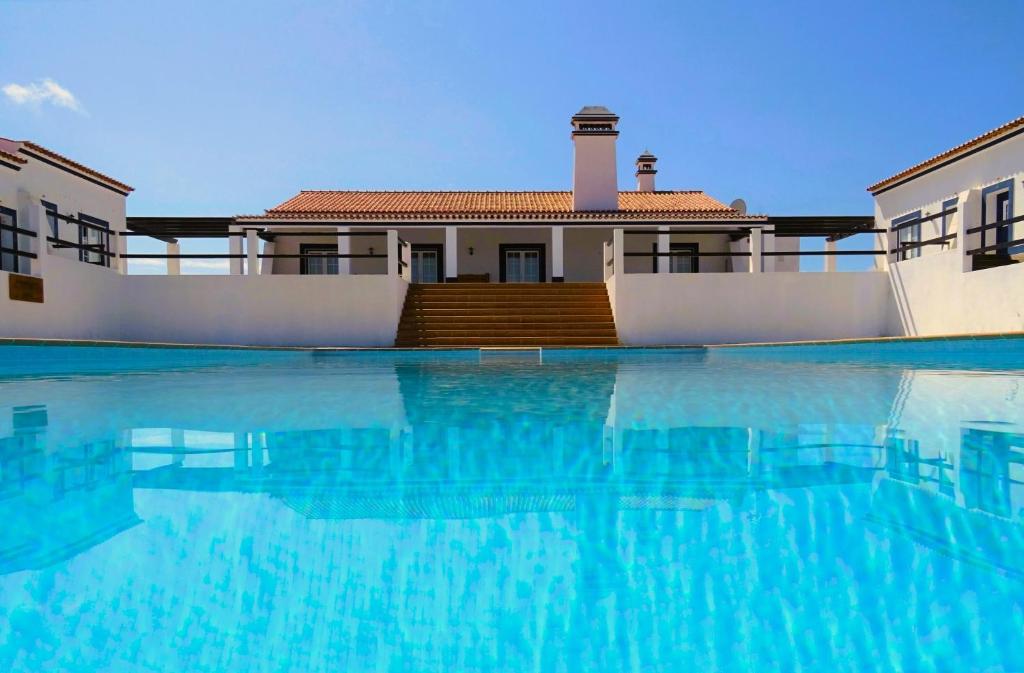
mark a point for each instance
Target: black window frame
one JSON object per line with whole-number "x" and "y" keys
{"x": 51, "y": 208}
{"x": 104, "y": 259}
{"x": 307, "y": 248}
{"x": 15, "y": 250}
{"x": 692, "y": 247}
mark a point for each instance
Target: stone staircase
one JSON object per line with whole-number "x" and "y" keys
{"x": 513, "y": 314}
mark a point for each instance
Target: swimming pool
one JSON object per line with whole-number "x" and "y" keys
{"x": 846, "y": 508}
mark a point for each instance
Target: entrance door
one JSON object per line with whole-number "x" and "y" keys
{"x": 427, "y": 263}
{"x": 522, "y": 263}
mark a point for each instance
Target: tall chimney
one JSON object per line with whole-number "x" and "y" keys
{"x": 594, "y": 182}
{"x": 645, "y": 172}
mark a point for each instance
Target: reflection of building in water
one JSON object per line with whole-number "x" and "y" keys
{"x": 58, "y": 501}
{"x": 954, "y": 467}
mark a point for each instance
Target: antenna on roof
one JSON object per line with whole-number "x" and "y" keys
{"x": 739, "y": 205}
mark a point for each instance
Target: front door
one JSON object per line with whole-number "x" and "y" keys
{"x": 522, "y": 263}
{"x": 427, "y": 263}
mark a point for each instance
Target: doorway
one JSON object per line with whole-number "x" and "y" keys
{"x": 521, "y": 263}
{"x": 427, "y": 263}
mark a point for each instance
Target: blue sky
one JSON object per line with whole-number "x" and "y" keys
{"x": 230, "y": 107}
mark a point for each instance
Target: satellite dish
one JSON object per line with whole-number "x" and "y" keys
{"x": 740, "y": 205}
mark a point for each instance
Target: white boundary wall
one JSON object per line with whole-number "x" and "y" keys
{"x": 87, "y": 302}
{"x": 934, "y": 297}
{"x": 716, "y": 308}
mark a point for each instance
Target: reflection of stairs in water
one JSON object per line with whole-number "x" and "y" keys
{"x": 521, "y": 314}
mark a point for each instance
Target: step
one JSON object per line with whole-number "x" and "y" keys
{"x": 509, "y": 341}
{"x": 538, "y": 321}
{"x": 509, "y": 289}
{"x": 504, "y": 305}
{"x": 494, "y": 286}
{"x": 504, "y": 331}
{"x": 506, "y": 310}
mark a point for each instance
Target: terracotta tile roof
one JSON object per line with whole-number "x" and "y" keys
{"x": 354, "y": 205}
{"x": 50, "y": 154}
{"x": 949, "y": 154}
{"x": 11, "y": 158}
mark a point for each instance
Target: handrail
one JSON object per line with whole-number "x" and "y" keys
{"x": 688, "y": 253}
{"x": 919, "y": 220}
{"x": 994, "y": 225}
{"x": 904, "y": 247}
{"x": 94, "y": 248}
{"x": 996, "y": 247}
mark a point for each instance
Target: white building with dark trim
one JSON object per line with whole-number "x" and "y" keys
{"x": 594, "y": 265}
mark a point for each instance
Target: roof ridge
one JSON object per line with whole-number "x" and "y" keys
{"x": 485, "y": 191}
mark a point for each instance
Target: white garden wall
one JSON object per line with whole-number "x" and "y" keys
{"x": 934, "y": 296}
{"x": 88, "y": 302}
{"x": 659, "y": 309}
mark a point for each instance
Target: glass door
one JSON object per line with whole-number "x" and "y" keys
{"x": 426, "y": 265}
{"x": 522, "y": 266}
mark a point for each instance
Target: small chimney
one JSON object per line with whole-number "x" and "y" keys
{"x": 595, "y": 185}
{"x": 645, "y": 172}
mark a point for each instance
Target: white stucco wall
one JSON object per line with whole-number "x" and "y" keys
{"x": 1003, "y": 161}
{"x": 263, "y": 310}
{"x": 934, "y": 296}
{"x": 83, "y": 301}
{"x": 24, "y": 190}
{"x": 659, "y": 309}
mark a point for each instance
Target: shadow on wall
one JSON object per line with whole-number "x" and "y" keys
{"x": 902, "y": 303}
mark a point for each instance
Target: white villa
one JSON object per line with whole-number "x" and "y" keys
{"x": 590, "y": 266}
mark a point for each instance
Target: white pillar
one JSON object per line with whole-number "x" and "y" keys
{"x": 618, "y": 248}
{"x": 394, "y": 269}
{"x": 40, "y": 247}
{"x": 267, "y": 263}
{"x": 451, "y": 254}
{"x": 406, "y": 271}
{"x": 663, "y": 247}
{"x": 606, "y": 258}
{"x": 557, "y": 254}
{"x": 830, "y": 260}
{"x": 768, "y": 245}
{"x": 344, "y": 248}
{"x": 252, "y": 252}
{"x": 756, "y": 243}
{"x": 173, "y": 264}
{"x": 969, "y": 210}
{"x": 235, "y": 248}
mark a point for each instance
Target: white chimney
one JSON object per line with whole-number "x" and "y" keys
{"x": 594, "y": 182}
{"x": 645, "y": 172}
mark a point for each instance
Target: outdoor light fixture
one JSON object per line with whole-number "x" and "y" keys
{"x": 470, "y": 251}
{"x": 371, "y": 249}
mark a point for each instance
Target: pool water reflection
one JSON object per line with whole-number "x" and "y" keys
{"x": 723, "y": 510}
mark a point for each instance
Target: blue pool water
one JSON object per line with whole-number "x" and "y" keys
{"x": 848, "y": 508}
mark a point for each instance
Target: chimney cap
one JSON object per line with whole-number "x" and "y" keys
{"x": 646, "y": 156}
{"x": 594, "y": 120}
{"x": 595, "y": 111}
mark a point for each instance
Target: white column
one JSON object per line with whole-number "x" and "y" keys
{"x": 756, "y": 243}
{"x": 393, "y": 267}
{"x": 969, "y": 210}
{"x": 267, "y": 263}
{"x": 557, "y": 254}
{"x": 663, "y": 247}
{"x": 40, "y": 247}
{"x": 235, "y": 248}
{"x": 768, "y": 245}
{"x": 344, "y": 248}
{"x": 830, "y": 260}
{"x": 618, "y": 247}
{"x": 406, "y": 271}
{"x": 451, "y": 254}
{"x": 606, "y": 258}
{"x": 252, "y": 251}
{"x": 173, "y": 264}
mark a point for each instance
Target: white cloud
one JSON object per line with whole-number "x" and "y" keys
{"x": 37, "y": 93}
